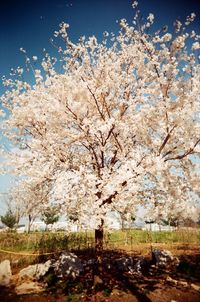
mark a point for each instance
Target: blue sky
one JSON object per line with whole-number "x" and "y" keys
{"x": 31, "y": 23}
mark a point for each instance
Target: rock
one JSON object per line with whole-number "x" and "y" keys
{"x": 163, "y": 258}
{"x": 36, "y": 271}
{"x": 5, "y": 273}
{"x": 183, "y": 283}
{"x": 15, "y": 262}
{"x": 171, "y": 281}
{"x": 195, "y": 287}
{"x": 140, "y": 266}
{"x": 68, "y": 265}
{"x": 88, "y": 264}
{"x": 124, "y": 264}
{"x": 29, "y": 288}
{"x": 91, "y": 261}
{"x": 106, "y": 263}
{"x": 176, "y": 282}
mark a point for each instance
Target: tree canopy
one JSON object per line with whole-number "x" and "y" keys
{"x": 118, "y": 125}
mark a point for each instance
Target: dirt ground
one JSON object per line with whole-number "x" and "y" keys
{"x": 178, "y": 284}
{"x": 160, "y": 294}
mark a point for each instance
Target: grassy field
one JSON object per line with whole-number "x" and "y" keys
{"x": 140, "y": 236}
{"x": 44, "y": 242}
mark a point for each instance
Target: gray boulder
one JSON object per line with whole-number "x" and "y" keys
{"x": 5, "y": 273}
{"x": 68, "y": 266}
{"x": 36, "y": 271}
{"x": 106, "y": 263}
{"x": 140, "y": 266}
{"x": 124, "y": 264}
{"x": 164, "y": 258}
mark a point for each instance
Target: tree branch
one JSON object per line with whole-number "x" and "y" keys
{"x": 166, "y": 140}
{"x": 188, "y": 152}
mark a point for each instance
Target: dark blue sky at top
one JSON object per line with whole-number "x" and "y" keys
{"x": 31, "y": 23}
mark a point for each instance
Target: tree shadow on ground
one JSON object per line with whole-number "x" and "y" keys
{"x": 112, "y": 277}
{"x": 138, "y": 283}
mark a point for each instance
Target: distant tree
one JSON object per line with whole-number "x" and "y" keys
{"x": 174, "y": 221}
{"x": 126, "y": 215}
{"x": 189, "y": 222}
{"x": 33, "y": 200}
{"x": 149, "y": 222}
{"x": 13, "y": 206}
{"x": 50, "y": 216}
{"x": 73, "y": 217}
{"x": 9, "y": 219}
{"x": 164, "y": 222}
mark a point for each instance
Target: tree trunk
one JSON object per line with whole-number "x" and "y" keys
{"x": 99, "y": 238}
{"x": 29, "y": 224}
{"x": 123, "y": 223}
{"x": 98, "y": 269}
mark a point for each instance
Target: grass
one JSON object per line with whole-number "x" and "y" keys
{"x": 140, "y": 236}
{"x": 44, "y": 242}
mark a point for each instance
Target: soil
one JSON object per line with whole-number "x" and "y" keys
{"x": 153, "y": 285}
